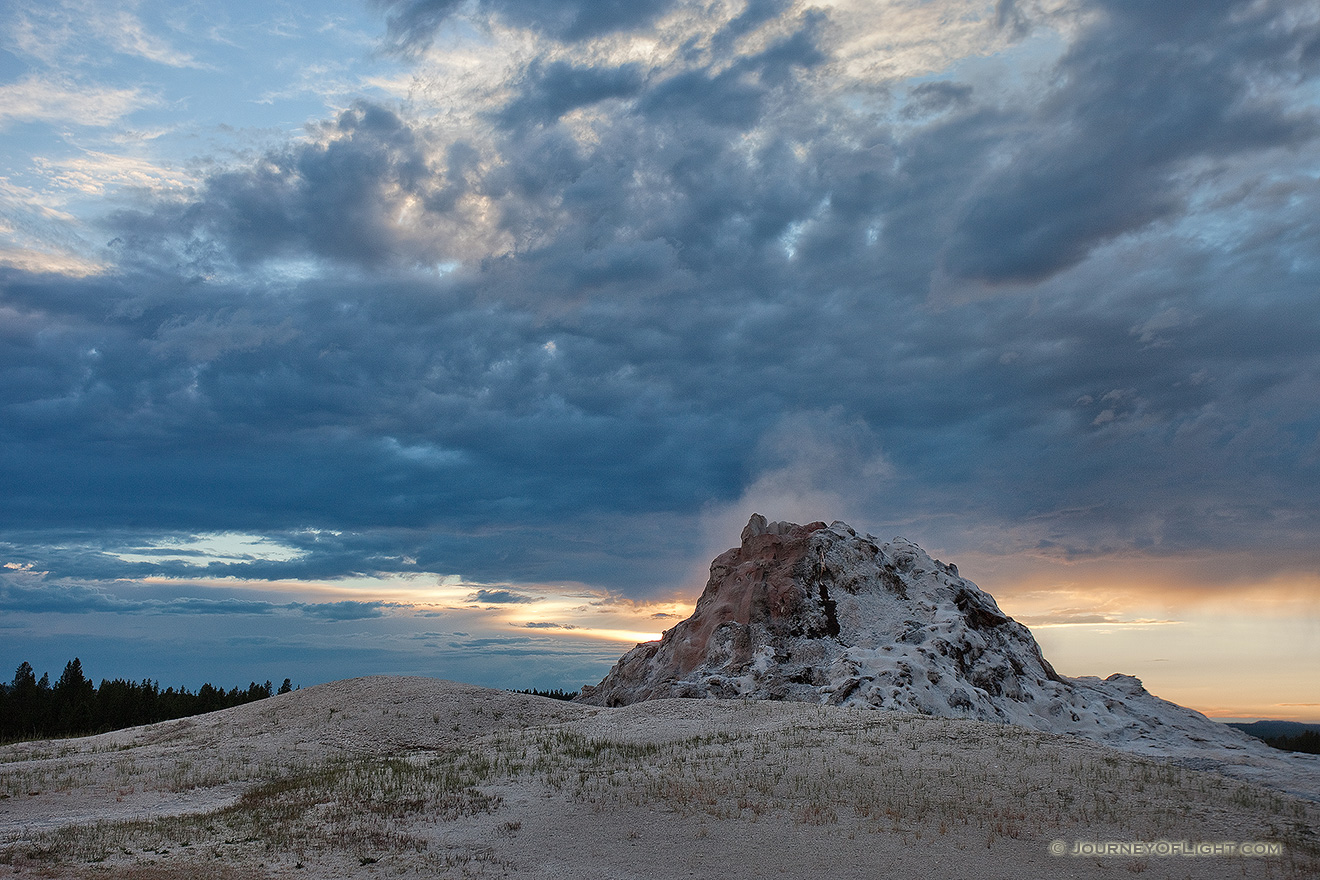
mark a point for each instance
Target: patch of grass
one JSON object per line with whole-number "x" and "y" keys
{"x": 347, "y": 806}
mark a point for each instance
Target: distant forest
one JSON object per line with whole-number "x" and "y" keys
{"x": 73, "y": 706}
{"x": 555, "y": 694}
{"x": 1291, "y": 736}
{"x": 1306, "y": 741}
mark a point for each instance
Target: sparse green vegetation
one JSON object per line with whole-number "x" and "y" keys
{"x": 359, "y": 807}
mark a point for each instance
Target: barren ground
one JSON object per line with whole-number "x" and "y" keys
{"x": 386, "y": 777}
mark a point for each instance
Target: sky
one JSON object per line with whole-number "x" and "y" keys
{"x": 456, "y": 337}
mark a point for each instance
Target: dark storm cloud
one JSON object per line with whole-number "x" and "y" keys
{"x": 347, "y": 610}
{"x": 500, "y": 597}
{"x": 737, "y": 253}
{"x": 934, "y": 97}
{"x": 39, "y": 597}
{"x": 553, "y": 89}
{"x": 413, "y": 23}
{"x": 755, "y": 14}
{"x": 333, "y": 197}
{"x": 735, "y": 96}
{"x": 338, "y": 195}
{"x": 1153, "y": 88}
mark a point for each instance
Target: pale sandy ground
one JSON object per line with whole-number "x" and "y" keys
{"x": 391, "y": 777}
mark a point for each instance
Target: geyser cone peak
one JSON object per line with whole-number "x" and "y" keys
{"x": 820, "y": 613}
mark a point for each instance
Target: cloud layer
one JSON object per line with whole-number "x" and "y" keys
{"x": 1047, "y": 287}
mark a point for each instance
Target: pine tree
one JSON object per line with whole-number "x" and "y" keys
{"x": 23, "y": 710}
{"x": 75, "y": 700}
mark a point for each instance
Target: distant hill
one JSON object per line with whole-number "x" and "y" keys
{"x": 1274, "y": 729}
{"x": 1290, "y": 736}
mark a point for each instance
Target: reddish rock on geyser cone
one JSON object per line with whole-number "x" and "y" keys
{"x": 819, "y": 613}
{"x": 765, "y": 582}
{"x": 761, "y": 587}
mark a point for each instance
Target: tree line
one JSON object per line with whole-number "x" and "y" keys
{"x": 73, "y": 706}
{"x": 1306, "y": 741}
{"x": 554, "y": 694}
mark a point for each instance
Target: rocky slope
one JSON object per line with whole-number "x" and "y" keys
{"x": 822, "y": 614}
